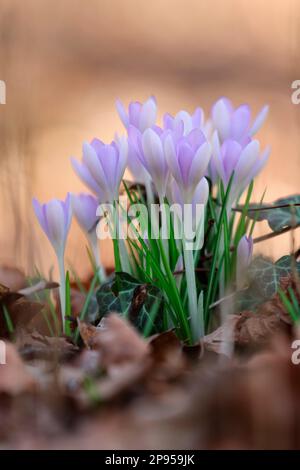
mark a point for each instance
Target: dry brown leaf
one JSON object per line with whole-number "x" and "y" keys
{"x": 257, "y": 328}
{"x": 116, "y": 339}
{"x": 36, "y": 346}
{"x": 168, "y": 360}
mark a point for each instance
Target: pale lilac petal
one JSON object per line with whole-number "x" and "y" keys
{"x": 185, "y": 117}
{"x": 244, "y": 257}
{"x": 39, "y": 212}
{"x": 260, "y": 164}
{"x": 134, "y": 110}
{"x": 195, "y": 138}
{"x": 260, "y": 119}
{"x": 85, "y": 207}
{"x": 122, "y": 113}
{"x": 200, "y": 163}
{"x": 168, "y": 121}
{"x": 56, "y": 223}
{"x": 231, "y": 151}
{"x": 221, "y": 118}
{"x": 201, "y": 192}
{"x": 171, "y": 157}
{"x": 67, "y": 208}
{"x": 247, "y": 160}
{"x": 91, "y": 160}
{"x": 85, "y": 176}
{"x": 198, "y": 118}
{"x": 240, "y": 122}
{"x": 148, "y": 114}
{"x": 123, "y": 158}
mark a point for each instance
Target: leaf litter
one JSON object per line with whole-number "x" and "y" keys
{"x": 117, "y": 389}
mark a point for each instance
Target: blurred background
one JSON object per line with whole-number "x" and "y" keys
{"x": 65, "y": 62}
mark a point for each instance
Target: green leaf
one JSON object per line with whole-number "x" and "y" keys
{"x": 142, "y": 304}
{"x": 280, "y": 217}
{"x": 264, "y": 280}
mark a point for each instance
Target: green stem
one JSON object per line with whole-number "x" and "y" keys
{"x": 197, "y": 324}
{"x": 62, "y": 289}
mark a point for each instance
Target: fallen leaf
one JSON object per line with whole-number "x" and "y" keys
{"x": 116, "y": 339}
{"x": 36, "y": 346}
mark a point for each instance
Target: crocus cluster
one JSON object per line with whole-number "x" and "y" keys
{"x": 176, "y": 160}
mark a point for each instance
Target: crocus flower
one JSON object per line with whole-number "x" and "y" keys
{"x": 139, "y": 115}
{"x": 235, "y": 123}
{"x": 55, "y": 219}
{"x": 85, "y": 209}
{"x": 148, "y": 147}
{"x": 103, "y": 167}
{"x": 188, "y": 159}
{"x": 244, "y": 257}
{"x": 246, "y": 162}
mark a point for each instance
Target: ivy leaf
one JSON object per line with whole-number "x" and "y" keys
{"x": 142, "y": 304}
{"x": 280, "y": 217}
{"x": 264, "y": 279}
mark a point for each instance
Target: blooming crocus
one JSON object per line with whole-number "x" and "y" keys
{"x": 188, "y": 159}
{"x": 183, "y": 122}
{"x": 244, "y": 257}
{"x": 246, "y": 162}
{"x": 103, "y": 167}
{"x": 150, "y": 152}
{"x": 236, "y": 123}
{"x": 55, "y": 219}
{"x": 85, "y": 209}
{"x": 139, "y": 115}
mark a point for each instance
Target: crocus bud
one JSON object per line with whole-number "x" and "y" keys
{"x": 244, "y": 257}
{"x": 188, "y": 160}
{"x": 140, "y": 115}
{"x": 235, "y": 123}
{"x": 85, "y": 210}
{"x": 55, "y": 219}
{"x": 103, "y": 167}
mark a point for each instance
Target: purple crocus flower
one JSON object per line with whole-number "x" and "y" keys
{"x": 188, "y": 159}
{"x": 85, "y": 208}
{"x": 235, "y": 123}
{"x": 244, "y": 258}
{"x": 55, "y": 219}
{"x": 103, "y": 167}
{"x": 148, "y": 147}
{"x": 246, "y": 162}
{"x": 139, "y": 115}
